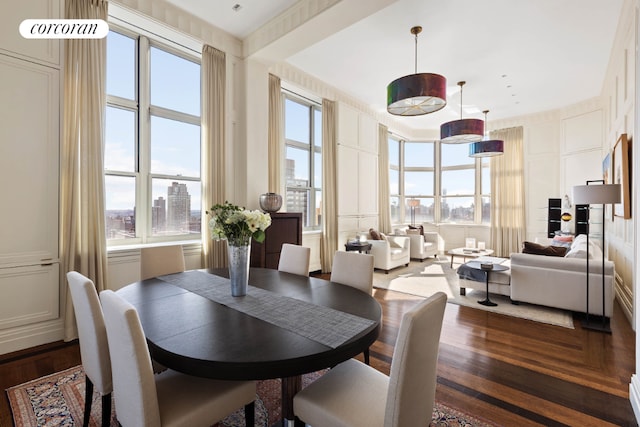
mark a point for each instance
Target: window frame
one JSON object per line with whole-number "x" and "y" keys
{"x": 312, "y": 148}
{"x": 143, "y": 112}
{"x": 477, "y": 165}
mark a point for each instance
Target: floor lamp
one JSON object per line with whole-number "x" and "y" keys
{"x": 603, "y": 194}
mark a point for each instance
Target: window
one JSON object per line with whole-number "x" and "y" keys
{"x": 303, "y": 157}
{"x": 152, "y": 141}
{"x": 419, "y": 183}
{"x": 434, "y": 182}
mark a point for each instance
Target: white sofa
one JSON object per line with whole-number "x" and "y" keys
{"x": 562, "y": 282}
{"x": 391, "y": 252}
{"x": 554, "y": 281}
{"x": 423, "y": 246}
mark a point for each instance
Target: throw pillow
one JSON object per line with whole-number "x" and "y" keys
{"x": 374, "y": 234}
{"x": 394, "y": 244}
{"x": 538, "y": 249}
{"x": 417, "y": 227}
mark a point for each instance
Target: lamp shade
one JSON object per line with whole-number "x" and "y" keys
{"x": 462, "y": 131}
{"x": 486, "y": 148}
{"x": 417, "y": 94}
{"x": 596, "y": 194}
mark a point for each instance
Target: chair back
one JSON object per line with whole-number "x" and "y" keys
{"x": 412, "y": 380}
{"x": 134, "y": 386}
{"x": 92, "y": 334}
{"x": 161, "y": 260}
{"x": 294, "y": 259}
{"x": 353, "y": 269}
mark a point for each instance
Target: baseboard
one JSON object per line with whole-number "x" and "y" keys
{"x": 634, "y": 396}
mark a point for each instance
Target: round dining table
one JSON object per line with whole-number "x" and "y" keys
{"x": 286, "y": 326}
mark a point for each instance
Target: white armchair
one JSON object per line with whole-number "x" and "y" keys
{"x": 423, "y": 246}
{"x": 390, "y": 253}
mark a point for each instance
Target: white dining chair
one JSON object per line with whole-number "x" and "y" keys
{"x": 356, "y": 270}
{"x": 354, "y": 394}
{"x": 94, "y": 347}
{"x": 169, "y": 398}
{"x": 161, "y": 260}
{"x": 294, "y": 259}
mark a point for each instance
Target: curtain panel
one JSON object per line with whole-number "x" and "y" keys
{"x": 383, "y": 186}
{"x": 276, "y": 134}
{"x": 213, "y": 78}
{"x": 83, "y": 246}
{"x": 329, "y": 242}
{"x": 507, "y": 192}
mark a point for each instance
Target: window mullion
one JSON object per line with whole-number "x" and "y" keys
{"x": 143, "y": 183}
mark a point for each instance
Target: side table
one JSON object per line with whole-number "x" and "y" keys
{"x": 362, "y": 247}
{"x": 477, "y": 265}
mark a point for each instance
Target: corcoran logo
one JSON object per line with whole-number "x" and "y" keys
{"x": 64, "y": 28}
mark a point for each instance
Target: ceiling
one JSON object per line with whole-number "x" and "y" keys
{"x": 517, "y": 57}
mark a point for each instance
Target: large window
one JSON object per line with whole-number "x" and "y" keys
{"x": 439, "y": 183}
{"x": 303, "y": 157}
{"x": 152, "y": 141}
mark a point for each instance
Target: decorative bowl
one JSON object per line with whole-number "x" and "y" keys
{"x": 270, "y": 202}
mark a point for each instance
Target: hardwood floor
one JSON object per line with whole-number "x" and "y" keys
{"x": 509, "y": 371}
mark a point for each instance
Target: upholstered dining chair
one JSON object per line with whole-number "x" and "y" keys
{"x": 356, "y": 270}
{"x": 160, "y": 260}
{"x": 94, "y": 348}
{"x": 169, "y": 398}
{"x": 294, "y": 259}
{"x": 354, "y": 394}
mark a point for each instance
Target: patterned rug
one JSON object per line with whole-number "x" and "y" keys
{"x": 58, "y": 399}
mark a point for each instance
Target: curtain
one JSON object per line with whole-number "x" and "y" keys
{"x": 214, "y": 253}
{"x": 83, "y": 246}
{"x": 276, "y": 134}
{"x": 507, "y": 191}
{"x": 383, "y": 174}
{"x": 329, "y": 242}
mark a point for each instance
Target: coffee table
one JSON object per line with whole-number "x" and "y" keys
{"x": 477, "y": 265}
{"x": 468, "y": 253}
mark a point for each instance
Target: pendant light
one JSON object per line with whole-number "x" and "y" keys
{"x": 416, "y": 94}
{"x": 487, "y": 147}
{"x": 463, "y": 130}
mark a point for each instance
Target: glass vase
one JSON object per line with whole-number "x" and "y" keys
{"x": 238, "y": 254}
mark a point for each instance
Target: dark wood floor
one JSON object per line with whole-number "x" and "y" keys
{"x": 508, "y": 371}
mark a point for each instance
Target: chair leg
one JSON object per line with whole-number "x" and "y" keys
{"x": 106, "y": 410}
{"x": 88, "y": 397}
{"x": 366, "y": 356}
{"x": 250, "y": 414}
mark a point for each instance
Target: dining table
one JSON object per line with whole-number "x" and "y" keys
{"x": 285, "y": 326}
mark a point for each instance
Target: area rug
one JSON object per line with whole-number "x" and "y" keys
{"x": 430, "y": 276}
{"x": 58, "y": 399}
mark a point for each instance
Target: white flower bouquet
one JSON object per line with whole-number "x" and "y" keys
{"x": 237, "y": 225}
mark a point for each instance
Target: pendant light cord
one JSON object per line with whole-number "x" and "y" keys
{"x": 415, "y": 55}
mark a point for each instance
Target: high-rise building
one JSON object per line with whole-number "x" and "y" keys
{"x": 178, "y": 208}
{"x": 159, "y": 215}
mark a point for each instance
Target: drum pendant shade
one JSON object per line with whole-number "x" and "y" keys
{"x": 416, "y": 94}
{"x": 463, "y": 130}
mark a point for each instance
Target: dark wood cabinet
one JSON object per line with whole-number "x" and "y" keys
{"x": 286, "y": 227}
{"x": 582, "y": 219}
{"x": 554, "y": 213}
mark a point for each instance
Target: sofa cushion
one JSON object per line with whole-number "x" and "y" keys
{"x": 538, "y": 249}
{"x": 579, "y": 249}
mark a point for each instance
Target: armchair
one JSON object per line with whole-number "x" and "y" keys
{"x": 390, "y": 253}
{"x": 423, "y": 246}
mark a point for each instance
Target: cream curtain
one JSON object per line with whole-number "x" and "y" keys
{"x": 507, "y": 191}
{"x": 83, "y": 246}
{"x": 329, "y": 241}
{"x": 383, "y": 179}
{"x": 276, "y": 134}
{"x": 213, "y": 149}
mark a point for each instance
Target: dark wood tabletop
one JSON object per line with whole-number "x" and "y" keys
{"x": 197, "y": 336}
